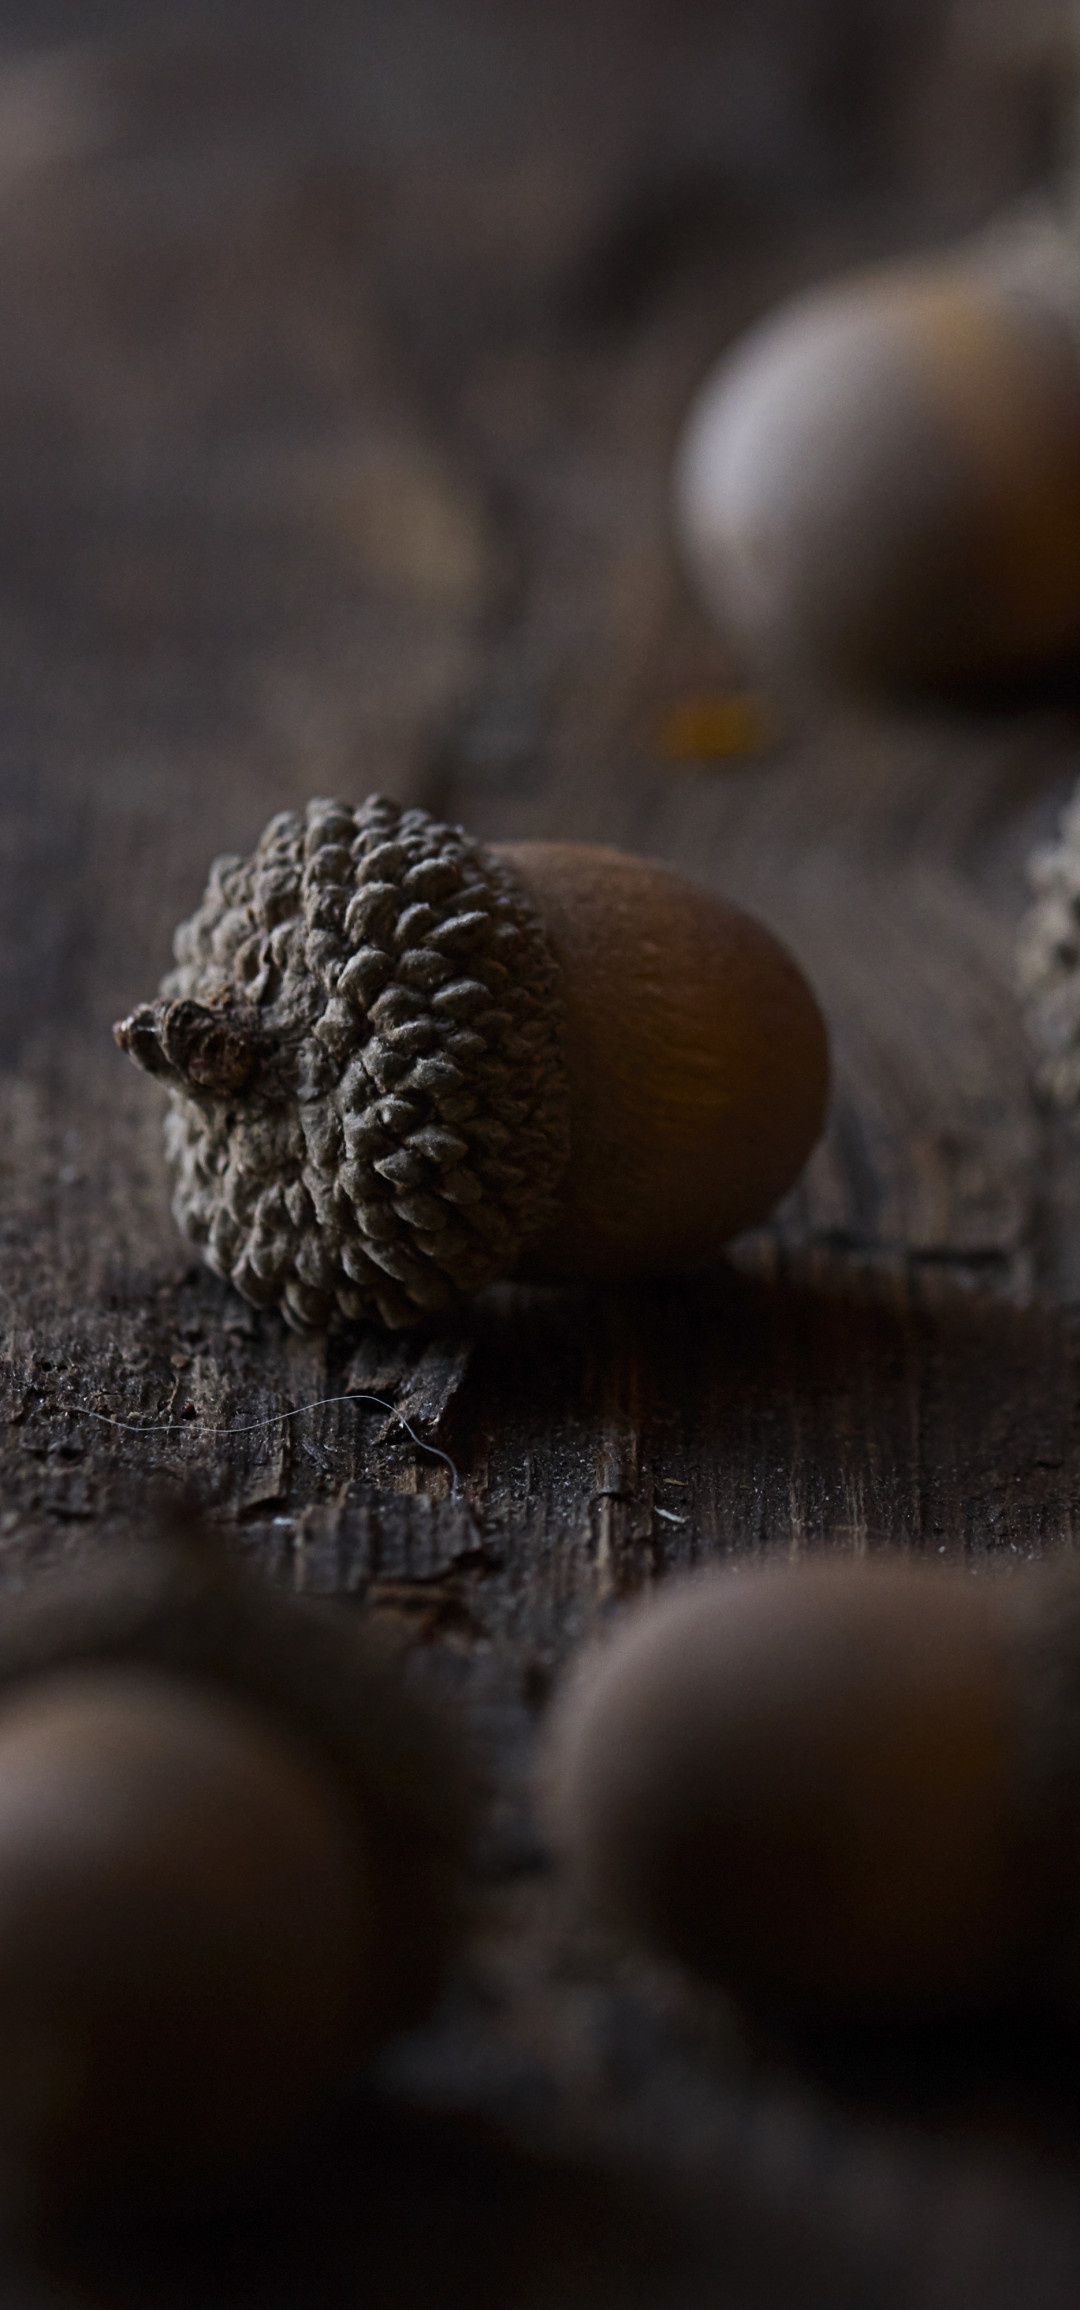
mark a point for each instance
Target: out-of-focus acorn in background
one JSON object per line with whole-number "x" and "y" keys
{"x": 403, "y": 1064}
{"x": 844, "y": 1790}
{"x": 879, "y": 487}
{"x": 229, "y": 1848}
{"x": 1048, "y": 962}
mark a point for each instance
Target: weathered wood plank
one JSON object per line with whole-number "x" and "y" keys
{"x": 340, "y": 372}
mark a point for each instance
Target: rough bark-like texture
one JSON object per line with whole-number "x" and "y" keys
{"x": 341, "y": 367}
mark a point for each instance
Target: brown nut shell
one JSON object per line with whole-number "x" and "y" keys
{"x": 696, "y": 1059}
{"x": 1044, "y": 1614}
{"x": 799, "y": 1782}
{"x": 229, "y": 1846}
{"x": 882, "y": 485}
{"x": 185, "y": 1931}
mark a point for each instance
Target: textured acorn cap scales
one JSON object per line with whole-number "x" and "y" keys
{"x": 361, "y": 1041}
{"x": 402, "y": 1064}
{"x": 1048, "y": 961}
{"x": 229, "y": 1847}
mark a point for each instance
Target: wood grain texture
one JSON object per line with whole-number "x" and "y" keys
{"x": 340, "y": 375}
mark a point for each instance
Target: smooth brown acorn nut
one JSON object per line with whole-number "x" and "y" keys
{"x": 696, "y": 1058}
{"x": 402, "y": 1064}
{"x": 881, "y": 485}
{"x": 806, "y": 1784}
{"x": 226, "y": 1846}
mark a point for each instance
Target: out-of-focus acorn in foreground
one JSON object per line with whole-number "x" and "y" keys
{"x": 842, "y": 1790}
{"x": 402, "y": 1064}
{"x": 880, "y": 486}
{"x": 228, "y": 1848}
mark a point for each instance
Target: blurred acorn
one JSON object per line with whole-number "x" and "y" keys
{"x": 842, "y": 1790}
{"x": 880, "y": 486}
{"x": 229, "y": 1847}
{"x": 402, "y": 1064}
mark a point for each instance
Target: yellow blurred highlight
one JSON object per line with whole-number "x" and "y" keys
{"x": 715, "y": 729}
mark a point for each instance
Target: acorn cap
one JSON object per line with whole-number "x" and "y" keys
{"x": 362, "y": 1043}
{"x": 1048, "y": 958}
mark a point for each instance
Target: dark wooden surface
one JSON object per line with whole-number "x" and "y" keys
{"x": 341, "y": 362}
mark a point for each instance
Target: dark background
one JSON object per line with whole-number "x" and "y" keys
{"x": 343, "y": 352}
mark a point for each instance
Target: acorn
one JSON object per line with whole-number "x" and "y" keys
{"x": 1048, "y": 962}
{"x": 402, "y": 1064}
{"x": 843, "y": 1790}
{"x": 228, "y": 1857}
{"x": 879, "y": 487}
